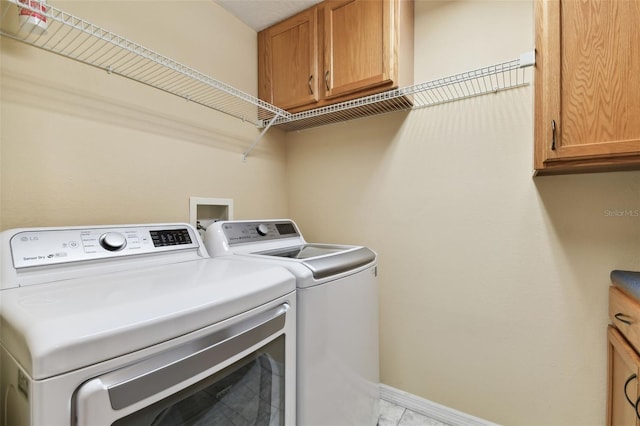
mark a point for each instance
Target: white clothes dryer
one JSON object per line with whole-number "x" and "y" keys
{"x": 137, "y": 325}
{"x": 338, "y": 362}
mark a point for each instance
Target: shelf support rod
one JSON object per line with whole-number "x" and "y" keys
{"x": 259, "y": 138}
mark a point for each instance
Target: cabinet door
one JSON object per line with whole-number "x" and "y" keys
{"x": 624, "y": 367}
{"x": 288, "y": 61}
{"x": 587, "y": 85}
{"x": 358, "y": 40}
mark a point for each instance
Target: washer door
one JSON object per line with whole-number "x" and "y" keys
{"x": 230, "y": 376}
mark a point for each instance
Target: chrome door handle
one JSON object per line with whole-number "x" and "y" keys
{"x": 144, "y": 381}
{"x": 147, "y": 379}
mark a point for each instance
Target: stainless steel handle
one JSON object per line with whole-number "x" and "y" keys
{"x": 150, "y": 377}
{"x": 350, "y": 260}
{"x": 326, "y": 80}
{"x": 309, "y": 83}
{"x": 623, "y": 318}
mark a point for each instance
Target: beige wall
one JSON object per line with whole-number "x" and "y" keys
{"x": 81, "y": 147}
{"x": 493, "y": 284}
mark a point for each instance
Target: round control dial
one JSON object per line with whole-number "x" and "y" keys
{"x": 113, "y": 241}
{"x": 262, "y": 229}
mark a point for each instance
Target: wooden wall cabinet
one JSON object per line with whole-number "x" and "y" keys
{"x": 624, "y": 370}
{"x": 623, "y": 339}
{"x": 336, "y": 51}
{"x": 587, "y": 90}
{"x": 288, "y": 61}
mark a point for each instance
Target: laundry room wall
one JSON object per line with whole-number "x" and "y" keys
{"x": 493, "y": 284}
{"x": 80, "y": 146}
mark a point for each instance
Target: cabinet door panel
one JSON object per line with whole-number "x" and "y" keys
{"x": 600, "y": 101}
{"x": 624, "y": 366}
{"x": 624, "y": 313}
{"x": 357, "y": 45}
{"x": 289, "y": 66}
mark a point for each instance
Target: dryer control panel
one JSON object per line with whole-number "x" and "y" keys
{"x": 51, "y": 246}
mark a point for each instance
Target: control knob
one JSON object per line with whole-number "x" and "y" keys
{"x": 262, "y": 229}
{"x": 113, "y": 241}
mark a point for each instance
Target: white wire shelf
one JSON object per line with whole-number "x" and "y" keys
{"x": 77, "y": 39}
{"x": 491, "y": 79}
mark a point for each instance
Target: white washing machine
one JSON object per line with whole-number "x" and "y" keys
{"x": 136, "y": 325}
{"x": 338, "y": 364}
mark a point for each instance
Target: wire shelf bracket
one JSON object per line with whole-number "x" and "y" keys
{"x": 259, "y": 138}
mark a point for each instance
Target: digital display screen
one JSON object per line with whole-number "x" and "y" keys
{"x": 171, "y": 237}
{"x": 285, "y": 228}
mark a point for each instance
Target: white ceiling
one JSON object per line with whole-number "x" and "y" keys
{"x": 260, "y": 14}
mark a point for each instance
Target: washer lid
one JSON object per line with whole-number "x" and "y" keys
{"x": 61, "y": 326}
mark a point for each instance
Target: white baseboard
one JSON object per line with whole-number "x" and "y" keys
{"x": 430, "y": 409}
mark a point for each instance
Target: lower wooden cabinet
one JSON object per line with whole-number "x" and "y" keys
{"x": 623, "y": 337}
{"x": 624, "y": 372}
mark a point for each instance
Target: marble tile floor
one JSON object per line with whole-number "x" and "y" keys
{"x": 395, "y": 415}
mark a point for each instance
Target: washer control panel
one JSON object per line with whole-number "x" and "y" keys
{"x": 251, "y": 232}
{"x": 41, "y": 247}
